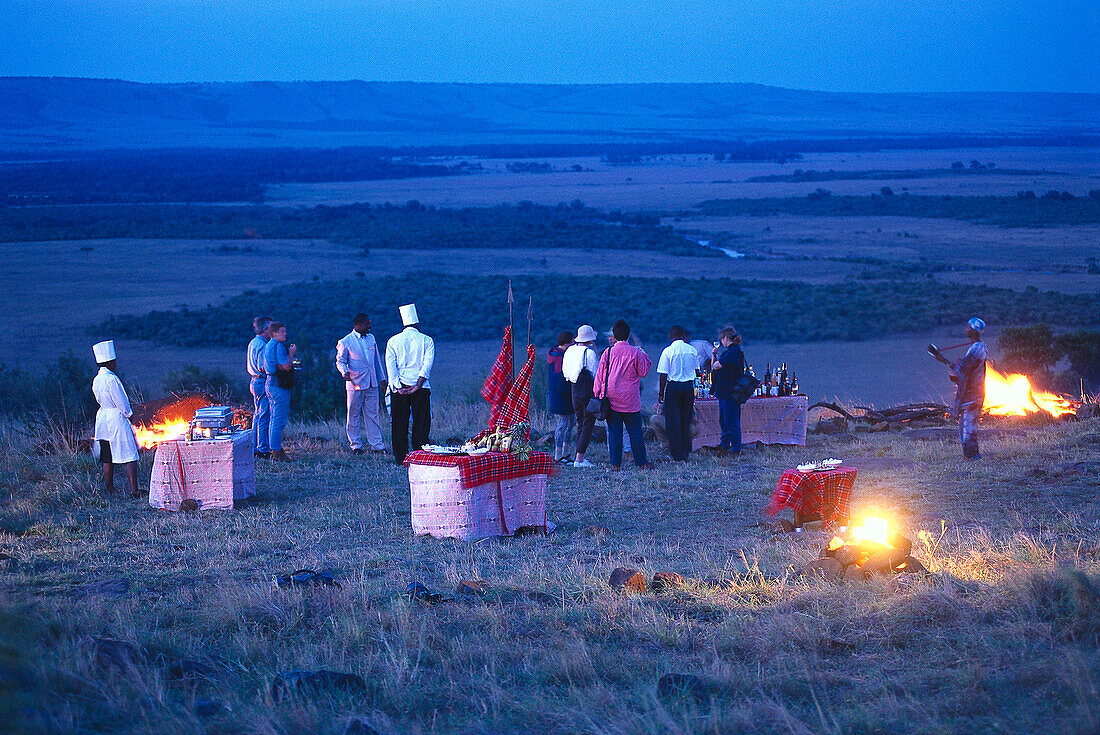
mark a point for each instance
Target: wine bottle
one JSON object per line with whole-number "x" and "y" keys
{"x": 794, "y": 384}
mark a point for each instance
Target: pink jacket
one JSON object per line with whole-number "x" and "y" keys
{"x": 628, "y": 365}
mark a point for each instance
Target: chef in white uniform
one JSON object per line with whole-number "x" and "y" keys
{"x": 114, "y": 434}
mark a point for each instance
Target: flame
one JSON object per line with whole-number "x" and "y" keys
{"x": 149, "y": 436}
{"x": 873, "y": 529}
{"x": 1013, "y": 395}
{"x": 170, "y": 421}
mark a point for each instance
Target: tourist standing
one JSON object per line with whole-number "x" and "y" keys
{"x": 559, "y": 398}
{"x": 359, "y": 363}
{"x": 114, "y": 434}
{"x": 578, "y": 367}
{"x": 410, "y": 356}
{"x": 727, "y": 365}
{"x": 676, "y": 393}
{"x": 618, "y": 379}
{"x": 279, "y": 365}
{"x": 257, "y": 379}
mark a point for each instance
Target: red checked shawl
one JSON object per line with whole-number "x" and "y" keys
{"x": 499, "y": 381}
{"x": 815, "y": 492}
{"x": 482, "y": 468}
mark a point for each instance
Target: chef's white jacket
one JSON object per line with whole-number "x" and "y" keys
{"x": 410, "y": 356}
{"x": 111, "y": 420}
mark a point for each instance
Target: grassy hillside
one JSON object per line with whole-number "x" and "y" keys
{"x": 1003, "y": 635}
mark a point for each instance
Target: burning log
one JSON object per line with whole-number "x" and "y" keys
{"x": 869, "y": 550}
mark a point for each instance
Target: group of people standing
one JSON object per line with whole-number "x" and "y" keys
{"x": 403, "y": 373}
{"x": 583, "y": 387}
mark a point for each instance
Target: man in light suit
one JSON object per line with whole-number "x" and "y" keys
{"x": 358, "y": 361}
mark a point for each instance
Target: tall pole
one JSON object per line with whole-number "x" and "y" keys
{"x": 530, "y": 316}
{"x": 511, "y": 326}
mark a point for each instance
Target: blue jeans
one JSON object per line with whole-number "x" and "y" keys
{"x": 261, "y": 413}
{"x": 633, "y": 423}
{"x": 279, "y": 399}
{"x": 729, "y": 419}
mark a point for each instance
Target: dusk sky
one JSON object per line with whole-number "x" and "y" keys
{"x": 838, "y": 45}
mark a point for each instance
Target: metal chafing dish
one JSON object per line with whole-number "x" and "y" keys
{"x": 210, "y": 422}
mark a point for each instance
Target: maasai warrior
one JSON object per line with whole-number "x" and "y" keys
{"x": 969, "y": 372}
{"x": 114, "y": 435}
{"x": 410, "y": 356}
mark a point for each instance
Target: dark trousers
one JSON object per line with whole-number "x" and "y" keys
{"x": 586, "y": 421}
{"x": 677, "y": 408}
{"x": 729, "y": 418}
{"x": 418, "y": 407}
{"x": 633, "y": 422}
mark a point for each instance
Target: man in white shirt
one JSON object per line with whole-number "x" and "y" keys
{"x": 257, "y": 380}
{"x": 676, "y": 393}
{"x": 579, "y": 365}
{"x": 114, "y": 434}
{"x": 409, "y": 359}
{"x": 358, "y": 361}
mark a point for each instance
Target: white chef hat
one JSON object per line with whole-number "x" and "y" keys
{"x": 104, "y": 351}
{"x": 976, "y": 324}
{"x": 408, "y": 315}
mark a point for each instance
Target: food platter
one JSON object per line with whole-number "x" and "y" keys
{"x": 437, "y": 449}
{"x": 820, "y": 466}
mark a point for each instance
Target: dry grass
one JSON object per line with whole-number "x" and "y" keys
{"x": 1002, "y": 636}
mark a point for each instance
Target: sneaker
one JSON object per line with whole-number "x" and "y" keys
{"x": 583, "y": 463}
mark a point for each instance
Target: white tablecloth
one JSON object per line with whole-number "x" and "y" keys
{"x": 442, "y": 508}
{"x": 213, "y": 472}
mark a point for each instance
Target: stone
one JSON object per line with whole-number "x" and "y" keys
{"x": 855, "y": 574}
{"x": 667, "y": 581}
{"x": 684, "y": 685}
{"x": 880, "y": 562}
{"x": 782, "y": 526}
{"x": 835, "y": 425}
{"x": 189, "y": 505}
{"x": 909, "y": 565}
{"x": 827, "y": 569}
{"x": 116, "y": 587}
{"x": 847, "y": 554}
{"x": 357, "y": 726}
{"x": 209, "y": 707}
{"x": 290, "y": 683}
{"x": 900, "y": 544}
{"x": 474, "y": 587}
{"x": 113, "y": 652}
{"x": 627, "y": 580}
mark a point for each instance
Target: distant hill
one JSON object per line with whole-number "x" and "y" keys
{"x": 38, "y": 113}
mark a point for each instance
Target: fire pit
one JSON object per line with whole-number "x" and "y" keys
{"x": 866, "y": 551}
{"x": 168, "y": 418}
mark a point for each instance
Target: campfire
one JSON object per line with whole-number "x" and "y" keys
{"x": 166, "y": 419}
{"x": 870, "y": 549}
{"x": 1013, "y": 395}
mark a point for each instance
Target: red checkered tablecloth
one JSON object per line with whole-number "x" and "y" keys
{"x": 482, "y": 468}
{"x": 815, "y": 492}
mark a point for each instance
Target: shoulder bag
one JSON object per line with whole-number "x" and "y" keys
{"x": 745, "y": 384}
{"x": 601, "y": 407}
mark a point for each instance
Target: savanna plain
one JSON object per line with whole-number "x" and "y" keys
{"x": 1002, "y": 634}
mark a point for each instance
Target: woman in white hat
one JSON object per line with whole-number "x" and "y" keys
{"x": 578, "y": 366}
{"x": 114, "y": 435}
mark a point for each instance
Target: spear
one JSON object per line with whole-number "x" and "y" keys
{"x": 530, "y": 316}
{"x": 511, "y": 325}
